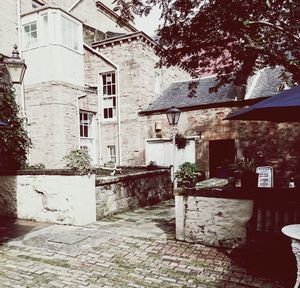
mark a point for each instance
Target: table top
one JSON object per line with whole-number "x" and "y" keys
{"x": 292, "y": 231}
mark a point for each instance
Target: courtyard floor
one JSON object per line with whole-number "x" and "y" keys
{"x": 133, "y": 249}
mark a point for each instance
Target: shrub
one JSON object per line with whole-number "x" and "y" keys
{"x": 38, "y": 166}
{"x": 180, "y": 141}
{"x": 187, "y": 175}
{"x": 79, "y": 160}
{"x": 14, "y": 140}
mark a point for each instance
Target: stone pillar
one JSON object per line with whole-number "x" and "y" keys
{"x": 293, "y": 231}
{"x": 179, "y": 214}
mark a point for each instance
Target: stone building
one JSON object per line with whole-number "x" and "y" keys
{"x": 93, "y": 84}
{"x": 87, "y": 79}
{"x": 214, "y": 143}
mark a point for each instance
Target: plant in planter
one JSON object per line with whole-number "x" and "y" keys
{"x": 79, "y": 160}
{"x": 187, "y": 175}
{"x": 247, "y": 169}
{"x": 180, "y": 141}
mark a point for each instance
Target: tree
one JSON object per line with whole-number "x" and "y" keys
{"x": 14, "y": 141}
{"x": 231, "y": 38}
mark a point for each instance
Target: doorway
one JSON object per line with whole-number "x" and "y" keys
{"x": 221, "y": 154}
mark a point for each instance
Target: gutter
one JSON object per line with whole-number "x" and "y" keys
{"x": 74, "y": 5}
{"x": 239, "y": 103}
{"x": 117, "y": 69}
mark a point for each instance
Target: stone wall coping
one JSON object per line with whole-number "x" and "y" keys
{"x": 63, "y": 172}
{"x": 237, "y": 192}
{"x": 100, "y": 180}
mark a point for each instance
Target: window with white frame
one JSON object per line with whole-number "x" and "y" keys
{"x": 69, "y": 31}
{"x": 44, "y": 29}
{"x": 112, "y": 153}
{"x": 87, "y": 138}
{"x": 109, "y": 95}
{"x": 30, "y": 36}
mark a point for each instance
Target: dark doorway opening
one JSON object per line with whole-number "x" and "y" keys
{"x": 221, "y": 155}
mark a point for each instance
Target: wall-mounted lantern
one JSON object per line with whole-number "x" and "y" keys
{"x": 15, "y": 66}
{"x": 173, "y": 116}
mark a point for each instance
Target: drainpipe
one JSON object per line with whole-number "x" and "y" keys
{"x": 74, "y": 5}
{"x": 119, "y": 116}
{"x": 99, "y": 120}
{"x": 20, "y": 48}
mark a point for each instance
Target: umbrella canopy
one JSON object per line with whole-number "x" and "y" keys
{"x": 283, "y": 107}
{"x": 3, "y": 123}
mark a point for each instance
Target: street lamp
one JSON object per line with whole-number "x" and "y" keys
{"x": 173, "y": 116}
{"x": 15, "y": 67}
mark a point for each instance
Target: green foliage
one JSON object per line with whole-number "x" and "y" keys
{"x": 38, "y": 166}
{"x": 79, "y": 160}
{"x": 231, "y": 38}
{"x": 14, "y": 140}
{"x": 187, "y": 175}
{"x": 246, "y": 165}
{"x": 180, "y": 141}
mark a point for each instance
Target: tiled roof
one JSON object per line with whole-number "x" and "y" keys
{"x": 266, "y": 84}
{"x": 177, "y": 95}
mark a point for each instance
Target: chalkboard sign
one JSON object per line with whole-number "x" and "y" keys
{"x": 265, "y": 176}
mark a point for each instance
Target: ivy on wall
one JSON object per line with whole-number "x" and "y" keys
{"x": 14, "y": 140}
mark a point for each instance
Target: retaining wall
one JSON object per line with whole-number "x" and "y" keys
{"x": 126, "y": 192}
{"x": 65, "y": 198}
{"x": 215, "y": 218}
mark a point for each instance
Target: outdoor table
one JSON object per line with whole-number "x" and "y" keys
{"x": 293, "y": 231}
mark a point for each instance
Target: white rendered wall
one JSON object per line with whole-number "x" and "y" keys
{"x": 212, "y": 221}
{"x": 49, "y": 198}
{"x": 53, "y": 63}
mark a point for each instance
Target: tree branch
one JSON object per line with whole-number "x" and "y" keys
{"x": 265, "y": 23}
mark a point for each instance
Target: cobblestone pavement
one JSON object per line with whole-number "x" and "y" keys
{"x": 134, "y": 249}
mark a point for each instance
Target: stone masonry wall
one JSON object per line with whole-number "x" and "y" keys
{"x": 52, "y": 112}
{"x": 136, "y": 60}
{"x": 268, "y": 143}
{"x": 211, "y": 221}
{"x": 121, "y": 193}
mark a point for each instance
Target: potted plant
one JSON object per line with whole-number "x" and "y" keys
{"x": 247, "y": 169}
{"x": 187, "y": 175}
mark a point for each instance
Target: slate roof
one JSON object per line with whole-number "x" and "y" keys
{"x": 176, "y": 94}
{"x": 267, "y": 83}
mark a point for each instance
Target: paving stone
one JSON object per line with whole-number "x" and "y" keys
{"x": 136, "y": 250}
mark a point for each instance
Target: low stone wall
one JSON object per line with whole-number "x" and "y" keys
{"x": 64, "y": 199}
{"x": 215, "y": 218}
{"x": 126, "y": 192}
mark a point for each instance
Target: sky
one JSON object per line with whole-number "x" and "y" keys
{"x": 150, "y": 23}
{"x": 147, "y": 24}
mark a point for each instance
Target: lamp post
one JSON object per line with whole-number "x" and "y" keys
{"x": 15, "y": 66}
{"x": 173, "y": 116}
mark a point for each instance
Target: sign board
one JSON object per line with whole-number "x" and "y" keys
{"x": 265, "y": 176}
